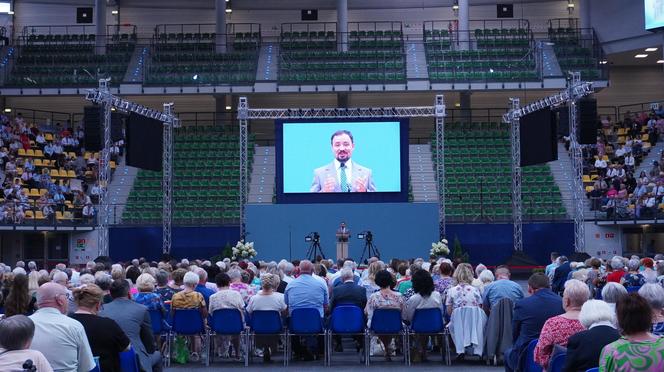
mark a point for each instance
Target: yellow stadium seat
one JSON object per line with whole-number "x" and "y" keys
{"x": 39, "y": 153}
{"x": 39, "y": 163}
{"x": 621, "y": 131}
{"x": 54, "y": 173}
{"x": 21, "y": 152}
{"x": 48, "y": 137}
{"x": 86, "y": 156}
{"x": 34, "y": 192}
{"x": 59, "y": 216}
{"x": 30, "y": 152}
{"x": 71, "y": 174}
{"x": 594, "y": 177}
{"x": 39, "y": 215}
{"x": 589, "y": 188}
{"x": 645, "y": 137}
{"x": 42, "y": 192}
{"x": 113, "y": 165}
{"x": 605, "y": 158}
{"x": 29, "y": 215}
{"x": 646, "y": 145}
{"x": 586, "y": 178}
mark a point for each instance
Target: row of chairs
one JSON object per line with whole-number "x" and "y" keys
{"x": 346, "y": 320}
{"x": 556, "y": 364}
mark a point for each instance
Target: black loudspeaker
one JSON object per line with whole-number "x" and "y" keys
{"x": 587, "y": 121}
{"x": 117, "y": 122}
{"x": 538, "y": 137}
{"x": 84, "y": 15}
{"x": 145, "y": 142}
{"x": 309, "y": 14}
{"x": 93, "y": 129}
{"x": 505, "y": 10}
{"x": 563, "y": 121}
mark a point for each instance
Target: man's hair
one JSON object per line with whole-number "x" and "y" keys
{"x": 15, "y": 332}
{"x": 555, "y": 255}
{"x": 346, "y": 274}
{"x": 538, "y": 281}
{"x": 222, "y": 280}
{"x": 341, "y": 132}
{"x": 119, "y": 288}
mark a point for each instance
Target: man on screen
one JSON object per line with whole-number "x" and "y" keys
{"x": 342, "y": 174}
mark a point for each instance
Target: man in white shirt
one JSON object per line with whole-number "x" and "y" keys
{"x": 629, "y": 162}
{"x": 600, "y": 165}
{"x": 60, "y": 338}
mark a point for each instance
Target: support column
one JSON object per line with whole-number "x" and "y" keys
{"x": 342, "y": 25}
{"x": 220, "y": 42}
{"x": 584, "y": 16}
{"x": 466, "y": 111}
{"x": 100, "y": 26}
{"x": 342, "y": 100}
{"x": 464, "y": 25}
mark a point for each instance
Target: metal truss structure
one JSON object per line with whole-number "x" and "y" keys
{"x": 440, "y": 115}
{"x": 576, "y": 90}
{"x": 108, "y": 101}
{"x": 245, "y": 114}
{"x": 517, "y": 204}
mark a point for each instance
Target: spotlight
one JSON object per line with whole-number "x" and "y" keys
{"x": 228, "y": 107}
{"x": 195, "y": 77}
{"x": 8, "y": 110}
{"x": 114, "y": 12}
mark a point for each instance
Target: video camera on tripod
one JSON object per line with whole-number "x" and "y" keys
{"x": 314, "y": 246}
{"x": 312, "y": 237}
{"x": 370, "y": 250}
{"x": 365, "y": 235}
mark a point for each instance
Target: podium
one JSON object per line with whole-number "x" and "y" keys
{"x": 342, "y": 243}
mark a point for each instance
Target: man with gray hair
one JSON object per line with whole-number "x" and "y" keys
{"x": 347, "y": 293}
{"x": 348, "y": 265}
{"x": 20, "y": 264}
{"x": 501, "y": 288}
{"x": 287, "y": 269}
{"x": 16, "y": 333}
{"x": 32, "y": 266}
{"x": 60, "y": 338}
{"x": 201, "y": 287}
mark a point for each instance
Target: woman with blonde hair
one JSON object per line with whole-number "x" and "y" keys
{"x": 463, "y": 294}
{"x": 145, "y": 284}
{"x": 33, "y": 282}
{"x": 105, "y": 336}
{"x": 369, "y": 283}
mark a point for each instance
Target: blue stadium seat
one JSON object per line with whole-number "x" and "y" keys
{"x": 388, "y": 322}
{"x": 345, "y": 320}
{"x": 189, "y": 322}
{"x": 306, "y": 321}
{"x": 265, "y": 323}
{"x": 557, "y": 363}
{"x": 431, "y": 322}
{"x": 229, "y": 322}
{"x": 128, "y": 361}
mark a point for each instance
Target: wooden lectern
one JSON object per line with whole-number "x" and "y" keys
{"x": 342, "y": 242}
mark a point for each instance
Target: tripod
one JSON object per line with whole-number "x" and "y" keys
{"x": 315, "y": 250}
{"x": 370, "y": 250}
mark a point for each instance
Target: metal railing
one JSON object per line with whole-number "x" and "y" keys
{"x": 50, "y": 34}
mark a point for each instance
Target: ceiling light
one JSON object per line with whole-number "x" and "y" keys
{"x": 457, "y": 104}
{"x": 11, "y": 12}
{"x": 229, "y": 10}
{"x": 455, "y": 7}
{"x": 660, "y": 61}
{"x": 114, "y": 12}
{"x": 570, "y": 5}
{"x": 8, "y": 110}
{"x": 651, "y": 49}
{"x": 228, "y": 107}
{"x": 603, "y": 62}
{"x": 640, "y": 56}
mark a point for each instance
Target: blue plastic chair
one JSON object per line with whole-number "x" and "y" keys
{"x": 431, "y": 322}
{"x": 128, "y": 361}
{"x": 97, "y": 368}
{"x": 189, "y": 322}
{"x": 229, "y": 322}
{"x": 529, "y": 364}
{"x": 557, "y": 363}
{"x": 386, "y": 322}
{"x": 264, "y": 322}
{"x": 303, "y": 322}
{"x": 345, "y": 320}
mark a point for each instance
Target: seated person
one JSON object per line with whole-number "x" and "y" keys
{"x": 16, "y": 333}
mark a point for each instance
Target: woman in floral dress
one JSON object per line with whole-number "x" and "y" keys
{"x": 385, "y": 298}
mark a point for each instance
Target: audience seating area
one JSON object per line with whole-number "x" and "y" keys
{"x": 205, "y": 184}
{"x": 498, "y": 55}
{"x": 70, "y": 60}
{"x": 312, "y": 57}
{"x": 191, "y": 58}
{"x": 574, "y": 52}
{"x": 479, "y": 178}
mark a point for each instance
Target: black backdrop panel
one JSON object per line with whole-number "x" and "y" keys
{"x": 116, "y": 126}
{"x": 92, "y": 127}
{"x": 145, "y": 142}
{"x": 563, "y": 121}
{"x": 588, "y": 121}
{"x": 538, "y": 138}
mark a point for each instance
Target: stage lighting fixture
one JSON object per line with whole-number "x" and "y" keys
{"x": 455, "y": 7}
{"x": 114, "y": 12}
{"x": 660, "y": 61}
{"x": 8, "y": 110}
{"x": 195, "y": 77}
{"x": 641, "y": 56}
{"x": 228, "y": 107}
{"x": 651, "y": 49}
{"x": 570, "y": 6}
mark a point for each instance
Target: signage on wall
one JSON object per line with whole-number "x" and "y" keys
{"x": 83, "y": 247}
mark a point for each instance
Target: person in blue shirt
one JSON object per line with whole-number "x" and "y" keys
{"x": 551, "y": 268}
{"x": 201, "y": 288}
{"x": 501, "y": 288}
{"x": 311, "y": 293}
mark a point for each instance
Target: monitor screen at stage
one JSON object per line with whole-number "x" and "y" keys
{"x": 342, "y": 161}
{"x": 654, "y": 14}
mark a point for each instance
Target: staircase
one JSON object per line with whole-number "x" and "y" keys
{"x": 135, "y": 70}
{"x": 422, "y": 176}
{"x": 562, "y": 174}
{"x": 119, "y": 189}
{"x": 261, "y": 186}
{"x": 653, "y": 155}
{"x": 416, "y": 60}
{"x": 268, "y": 68}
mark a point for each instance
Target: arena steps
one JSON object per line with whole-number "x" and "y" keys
{"x": 261, "y": 185}
{"x": 134, "y": 72}
{"x": 268, "y": 66}
{"x": 120, "y": 188}
{"x": 562, "y": 174}
{"x": 422, "y": 175}
{"x": 416, "y": 60}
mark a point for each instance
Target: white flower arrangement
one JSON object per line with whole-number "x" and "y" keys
{"x": 439, "y": 249}
{"x": 244, "y": 251}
